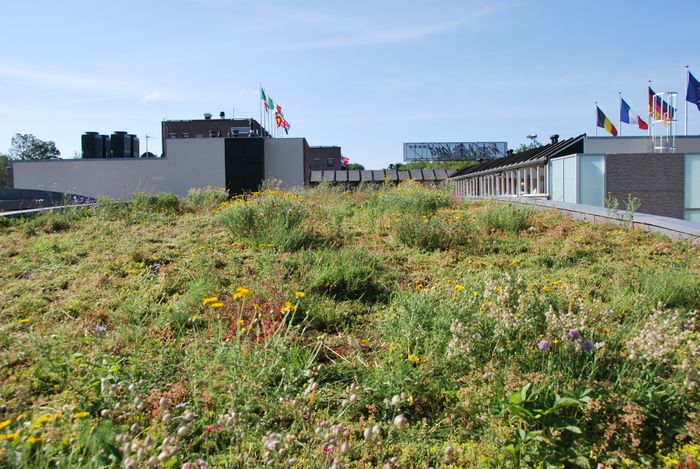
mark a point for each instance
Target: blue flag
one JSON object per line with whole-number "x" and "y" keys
{"x": 693, "y": 93}
{"x": 624, "y": 111}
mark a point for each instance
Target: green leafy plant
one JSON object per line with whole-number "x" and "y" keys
{"x": 548, "y": 428}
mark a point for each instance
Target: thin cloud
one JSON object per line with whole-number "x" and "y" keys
{"x": 149, "y": 98}
{"x": 60, "y": 80}
{"x": 372, "y": 36}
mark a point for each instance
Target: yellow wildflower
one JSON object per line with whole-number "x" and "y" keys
{"x": 414, "y": 358}
{"x": 605, "y": 330}
{"x": 300, "y": 294}
{"x": 211, "y": 299}
{"x": 555, "y": 341}
{"x": 242, "y": 292}
{"x": 23, "y": 321}
{"x": 43, "y": 420}
{"x": 556, "y": 283}
{"x": 257, "y": 307}
{"x": 81, "y": 415}
{"x": 459, "y": 287}
{"x": 288, "y": 307}
{"x": 217, "y": 305}
{"x": 132, "y": 271}
{"x": 516, "y": 261}
{"x": 5, "y": 423}
{"x": 35, "y": 439}
{"x": 420, "y": 286}
{"x": 9, "y": 436}
{"x": 477, "y": 294}
{"x": 241, "y": 322}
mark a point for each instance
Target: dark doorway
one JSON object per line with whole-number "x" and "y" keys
{"x": 244, "y": 164}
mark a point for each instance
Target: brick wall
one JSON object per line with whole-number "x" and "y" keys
{"x": 657, "y": 179}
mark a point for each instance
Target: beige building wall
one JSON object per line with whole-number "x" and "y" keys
{"x": 189, "y": 163}
{"x": 636, "y": 144}
{"x": 284, "y": 160}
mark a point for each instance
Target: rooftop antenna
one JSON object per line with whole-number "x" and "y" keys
{"x": 532, "y": 137}
{"x": 147, "y": 137}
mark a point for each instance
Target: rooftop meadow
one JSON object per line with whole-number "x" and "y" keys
{"x": 389, "y": 327}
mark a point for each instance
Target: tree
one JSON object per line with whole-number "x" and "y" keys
{"x": 28, "y": 147}
{"x": 355, "y": 166}
{"x": 527, "y": 146}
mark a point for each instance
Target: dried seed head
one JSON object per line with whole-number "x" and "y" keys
{"x": 400, "y": 421}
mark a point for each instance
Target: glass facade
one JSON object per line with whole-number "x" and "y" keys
{"x": 692, "y": 188}
{"x": 592, "y": 180}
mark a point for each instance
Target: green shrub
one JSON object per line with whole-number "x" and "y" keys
{"x": 158, "y": 202}
{"x": 54, "y": 221}
{"x": 269, "y": 219}
{"x": 509, "y": 218}
{"x": 206, "y": 198}
{"x": 349, "y": 274}
{"x": 444, "y": 231}
{"x": 412, "y": 197}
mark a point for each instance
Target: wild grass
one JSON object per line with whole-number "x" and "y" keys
{"x": 161, "y": 202}
{"x": 508, "y": 218}
{"x": 389, "y": 327}
{"x": 270, "y": 219}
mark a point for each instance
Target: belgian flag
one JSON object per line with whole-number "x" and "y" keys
{"x": 605, "y": 123}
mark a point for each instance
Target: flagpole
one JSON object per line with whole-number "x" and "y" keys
{"x": 619, "y": 121}
{"x": 260, "y": 105}
{"x": 650, "y": 107}
{"x": 687, "y": 78}
{"x": 596, "y": 118}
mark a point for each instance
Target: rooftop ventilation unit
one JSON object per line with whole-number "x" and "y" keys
{"x": 207, "y": 115}
{"x": 222, "y": 114}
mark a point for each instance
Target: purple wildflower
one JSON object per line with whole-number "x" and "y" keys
{"x": 543, "y": 344}
{"x": 100, "y": 328}
{"x": 215, "y": 428}
{"x": 156, "y": 268}
{"x": 586, "y": 346}
{"x": 182, "y": 404}
{"x": 573, "y": 334}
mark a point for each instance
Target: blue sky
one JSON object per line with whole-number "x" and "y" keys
{"x": 365, "y": 75}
